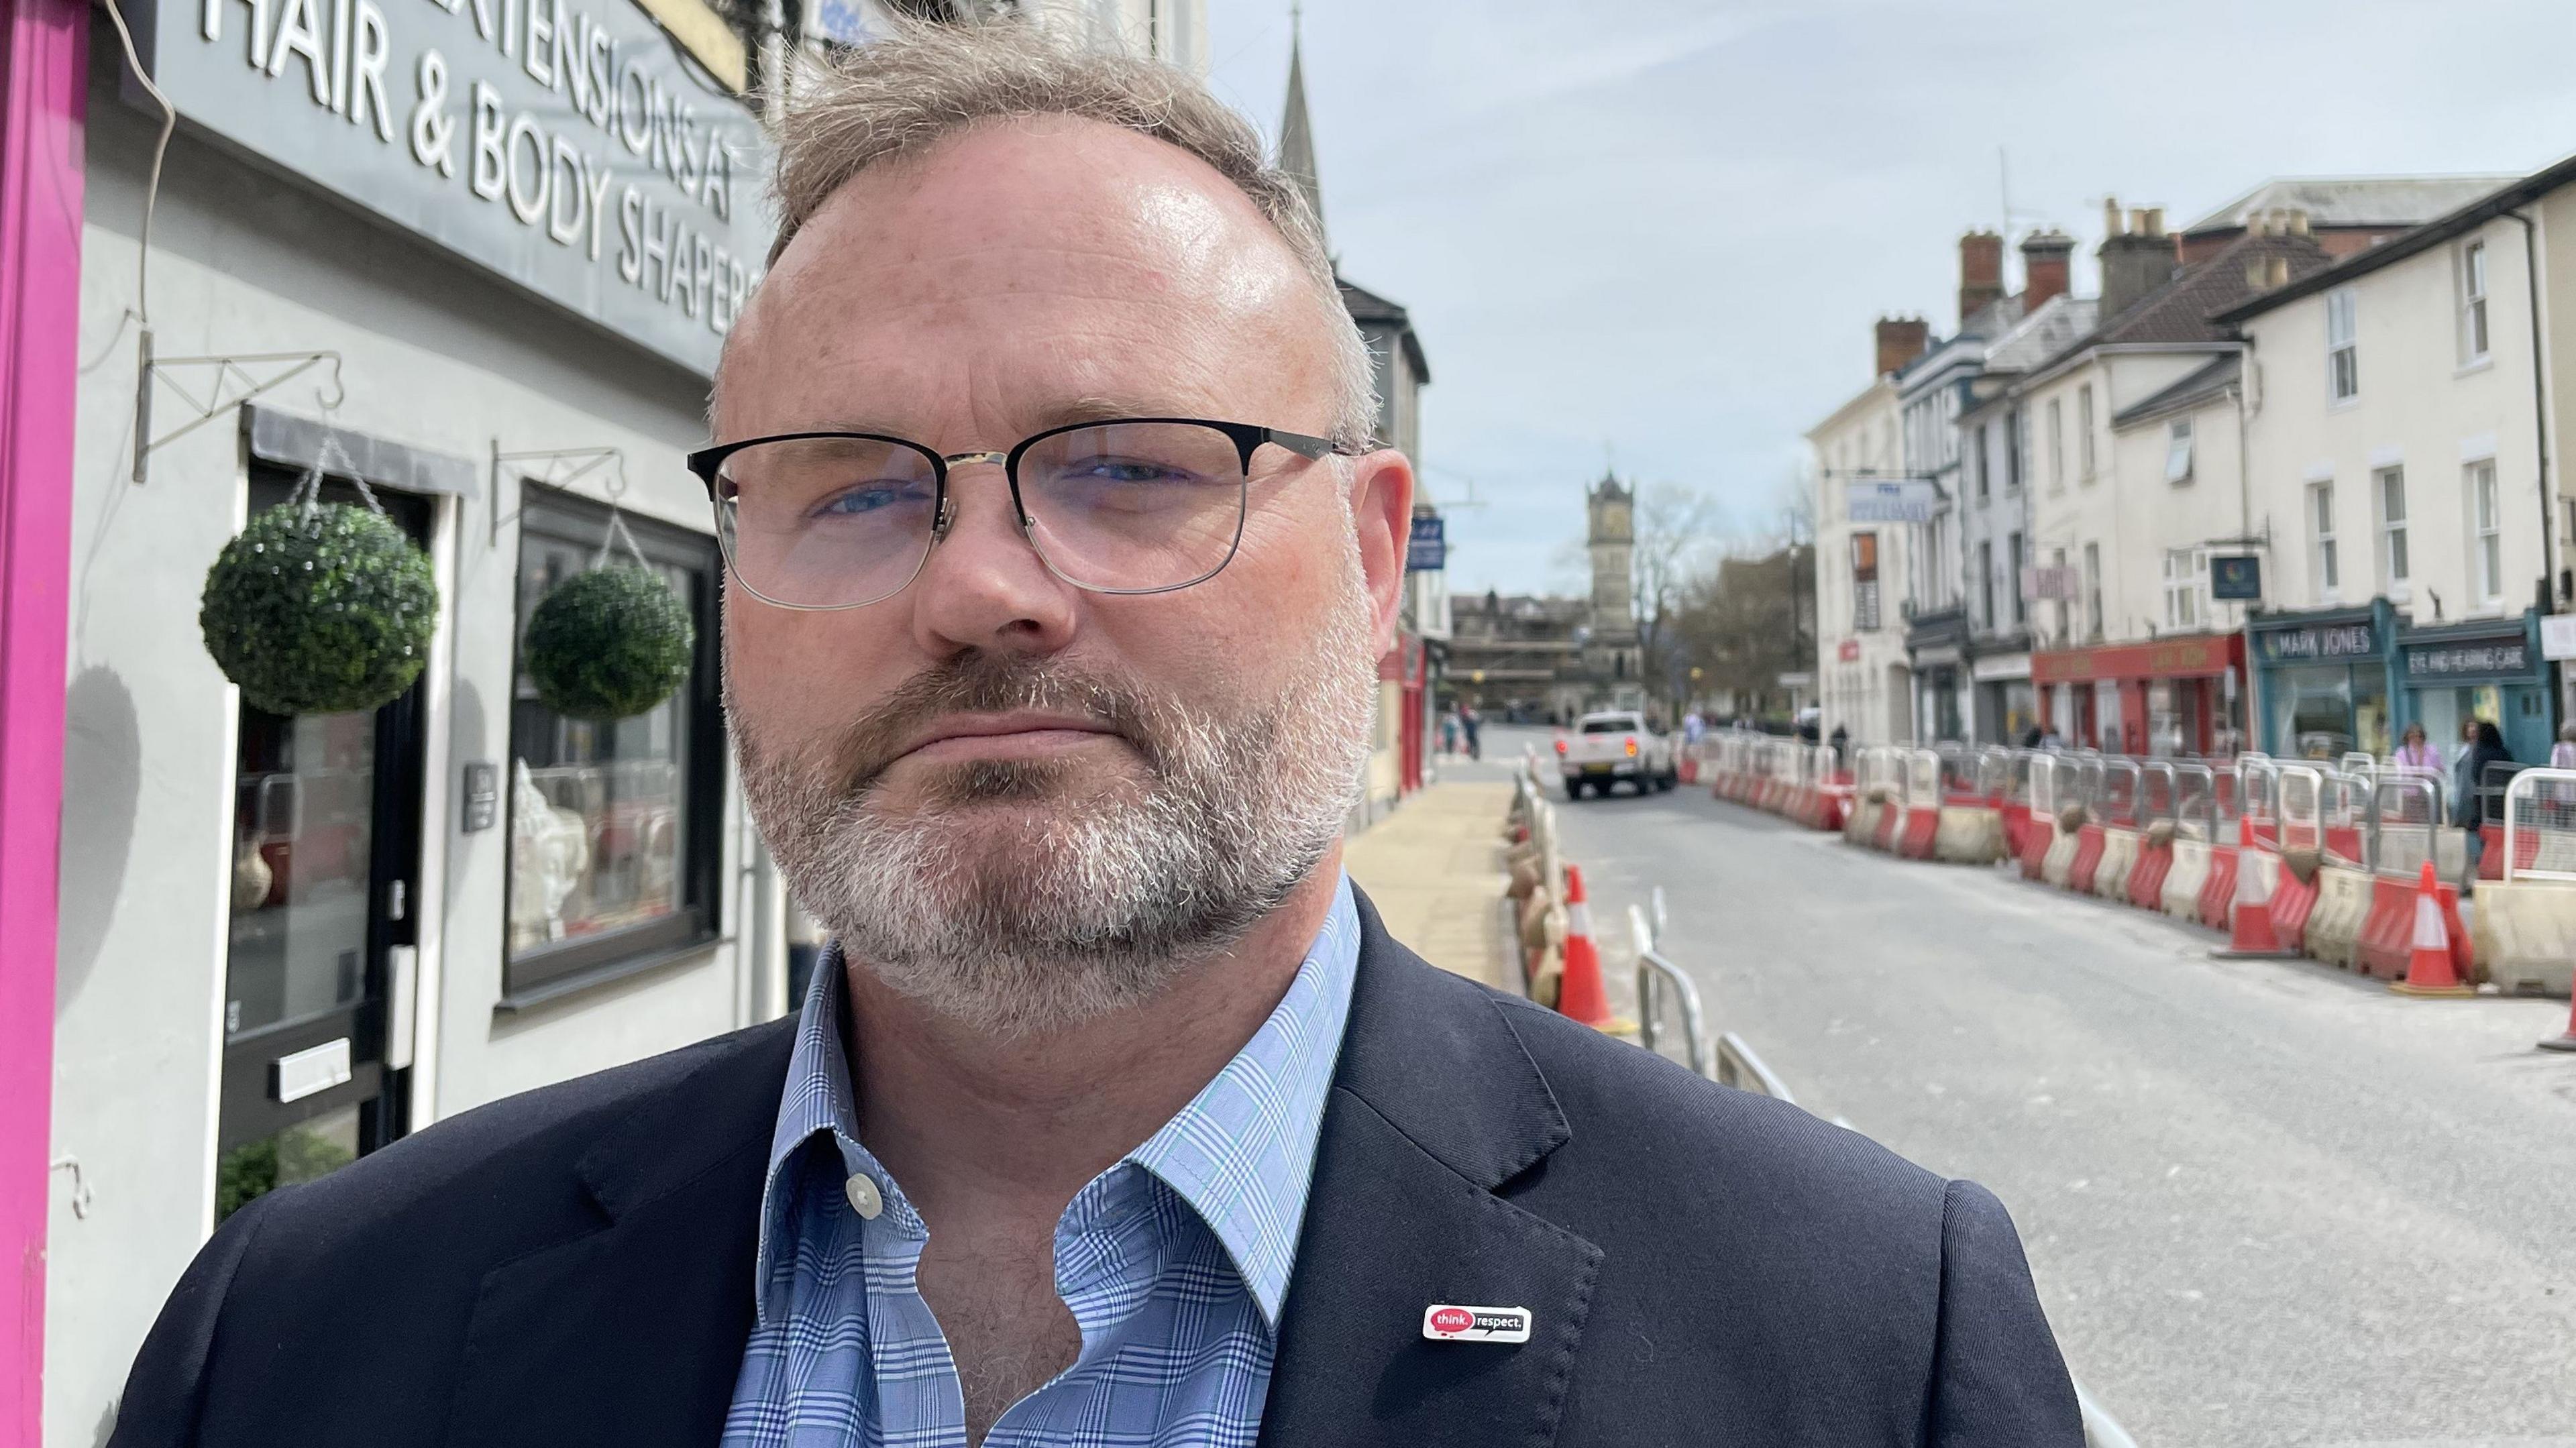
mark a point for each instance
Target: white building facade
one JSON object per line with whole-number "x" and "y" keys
{"x": 1863, "y": 572}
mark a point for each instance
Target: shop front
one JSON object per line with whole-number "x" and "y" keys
{"x": 288, "y": 939}
{"x": 1937, "y": 643}
{"x": 2006, "y": 704}
{"x": 2326, "y": 680}
{"x": 2487, "y": 669}
{"x": 2169, "y": 696}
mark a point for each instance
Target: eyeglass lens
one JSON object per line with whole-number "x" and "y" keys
{"x": 833, "y": 522}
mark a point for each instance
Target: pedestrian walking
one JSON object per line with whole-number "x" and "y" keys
{"x": 1841, "y": 740}
{"x": 1114, "y": 1113}
{"x": 2562, "y": 755}
{"x": 2481, "y": 745}
{"x": 1471, "y": 721}
{"x": 2416, "y": 754}
{"x": 1449, "y": 732}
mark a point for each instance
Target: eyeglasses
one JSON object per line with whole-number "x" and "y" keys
{"x": 824, "y": 520}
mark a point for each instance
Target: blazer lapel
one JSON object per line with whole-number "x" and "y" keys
{"x": 1435, "y": 1104}
{"x": 632, "y": 1335}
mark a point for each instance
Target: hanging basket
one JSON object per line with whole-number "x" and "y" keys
{"x": 609, "y": 643}
{"x": 319, "y": 608}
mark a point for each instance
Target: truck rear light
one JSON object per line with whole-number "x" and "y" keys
{"x": 1632, "y": 746}
{"x": 1560, "y": 746}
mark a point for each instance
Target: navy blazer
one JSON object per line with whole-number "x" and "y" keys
{"x": 574, "y": 1266}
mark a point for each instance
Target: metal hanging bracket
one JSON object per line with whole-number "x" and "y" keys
{"x": 563, "y": 467}
{"x": 236, "y": 380}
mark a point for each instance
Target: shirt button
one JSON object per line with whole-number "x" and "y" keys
{"x": 864, "y": 1198}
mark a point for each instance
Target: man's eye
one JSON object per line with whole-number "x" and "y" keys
{"x": 1128, "y": 470}
{"x": 868, "y": 499}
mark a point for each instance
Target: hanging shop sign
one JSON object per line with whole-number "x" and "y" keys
{"x": 2316, "y": 643}
{"x": 2236, "y": 577}
{"x": 562, "y": 144}
{"x": 2558, "y": 636}
{"x": 1897, "y": 500}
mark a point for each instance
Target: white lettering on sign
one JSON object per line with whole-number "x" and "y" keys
{"x": 549, "y": 168}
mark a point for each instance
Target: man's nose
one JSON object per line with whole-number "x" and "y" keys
{"x": 984, "y": 585}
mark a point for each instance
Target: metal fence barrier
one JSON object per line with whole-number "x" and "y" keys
{"x": 2300, "y": 789}
{"x": 2405, "y": 823}
{"x": 2195, "y": 807}
{"x": 2540, "y": 825}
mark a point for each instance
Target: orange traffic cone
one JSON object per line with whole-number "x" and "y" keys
{"x": 2252, "y": 937}
{"x": 2566, "y": 1042}
{"x": 1581, "y": 996}
{"x": 2430, "y": 971}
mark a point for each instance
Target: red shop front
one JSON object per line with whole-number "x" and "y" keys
{"x": 2182, "y": 695}
{"x": 1404, "y": 666}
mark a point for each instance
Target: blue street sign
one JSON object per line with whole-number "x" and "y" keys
{"x": 1428, "y": 551}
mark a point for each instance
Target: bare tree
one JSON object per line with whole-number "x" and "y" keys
{"x": 1677, "y": 530}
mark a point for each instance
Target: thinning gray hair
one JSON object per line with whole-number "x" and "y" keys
{"x": 898, "y": 96}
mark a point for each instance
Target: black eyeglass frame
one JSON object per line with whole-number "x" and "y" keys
{"x": 1248, "y": 438}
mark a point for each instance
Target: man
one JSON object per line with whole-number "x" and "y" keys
{"x": 1061, "y": 561}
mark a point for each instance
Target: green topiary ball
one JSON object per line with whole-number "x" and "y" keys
{"x": 609, "y": 644}
{"x": 319, "y": 614}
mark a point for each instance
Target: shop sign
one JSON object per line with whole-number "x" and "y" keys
{"x": 558, "y": 143}
{"x": 1848, "y": 651}
{"x": 1427, "y": 551}
{"x": 2469, "y": 658}
{"x": 2316, "y": 643}
{"x": 2558, "y": 636}
{"x": 2060, "y": 582}
{"x": 2236, "y": 577}
{"x": 2163, "y": 659}
{"x": 1900, "y": 500}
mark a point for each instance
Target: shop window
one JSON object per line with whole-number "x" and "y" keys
{"x": 2321, "y": 540}
{"x": 615, "y": 827}
{"x": 2343, "y": 346}
{"x": 2486, "y": 535}
{"x": 2473, "y": 303}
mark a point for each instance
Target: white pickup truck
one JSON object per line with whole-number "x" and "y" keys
{"x": 1607, "y": 748}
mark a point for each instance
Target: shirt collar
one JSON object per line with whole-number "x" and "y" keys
{"x": 1241, "y": 1153}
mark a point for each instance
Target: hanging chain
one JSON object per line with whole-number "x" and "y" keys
{"x": 615, "y": 487}
{"x": 308, "y": 490}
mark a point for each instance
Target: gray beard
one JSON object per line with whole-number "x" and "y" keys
{"x": 1091, "y": 904}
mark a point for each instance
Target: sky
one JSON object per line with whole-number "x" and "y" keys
{"x": 1662, "y": 245}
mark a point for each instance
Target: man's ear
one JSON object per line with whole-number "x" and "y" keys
{"x": 1382, "y": 513}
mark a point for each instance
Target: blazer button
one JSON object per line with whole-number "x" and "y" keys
{"x": 864, "y": 1198}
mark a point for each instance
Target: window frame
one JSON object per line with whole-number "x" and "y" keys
{"x": 2476, "y": 340}
{"x": 2093, "y": 619}
{"x": 2018, "y": 552}
{"x": 2016, "y": 449}
{"x": 2343, "y": 346}
{"x": 2327, "y": 583}
{"x": 2085, "y": 457}
{"x": 2056, "y": 443}
{"x": 1986, "y": 583}
{"x": 2185, "y": 608}
{"x": 2396, "y": 560}
{"x": 559, "y": 968}
{"x": 2485, "y": 493}
{"x": 2180, "y": 444}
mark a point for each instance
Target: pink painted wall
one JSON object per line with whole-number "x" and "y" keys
{"x": 44, "y": 64}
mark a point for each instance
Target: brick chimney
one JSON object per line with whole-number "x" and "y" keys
{"x": 1901, "y": 340}
{"x": 2047, "y": 258}
{"x": 1981, "y": 272}
{"x": 2137, "y": 256}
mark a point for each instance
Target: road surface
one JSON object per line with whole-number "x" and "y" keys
{"x": 2265, "y": 1202}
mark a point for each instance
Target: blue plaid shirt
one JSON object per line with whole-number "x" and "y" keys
{"x": 1174, "y": 1262}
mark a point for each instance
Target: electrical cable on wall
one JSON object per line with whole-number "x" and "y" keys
{"x": 152, "y": 183}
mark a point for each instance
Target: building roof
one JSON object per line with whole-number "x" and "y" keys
{"x": 1368, "y": 307}
{"x": 2043, "y": 334}
{"x": 2354, "y": 201}
{"x": 2433, "y": 233}
{"x": 2201, "y": 386}
{"x": 2184, "y": 310}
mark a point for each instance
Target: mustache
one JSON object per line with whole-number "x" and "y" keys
{"x": 982, "y": 682}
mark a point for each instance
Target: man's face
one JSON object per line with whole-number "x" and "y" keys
{"x": 1021, "y": 801}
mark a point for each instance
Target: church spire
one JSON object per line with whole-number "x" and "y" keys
{"x": 1296, "y": 131}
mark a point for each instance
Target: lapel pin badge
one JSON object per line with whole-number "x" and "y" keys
{"x": 1444, "y": 1322}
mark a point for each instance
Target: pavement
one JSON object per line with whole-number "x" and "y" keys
{"x": 1434, "y": 869}
{"x": 2265, "y": 1202}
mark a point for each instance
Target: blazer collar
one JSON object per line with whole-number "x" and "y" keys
{"x": 632, "y": 1334}
{"x": 1435, "y": 1105}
